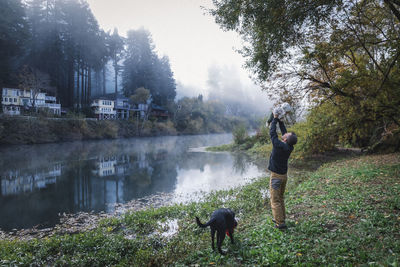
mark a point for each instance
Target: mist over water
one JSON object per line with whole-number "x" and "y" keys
{"x": 38, "y": 182}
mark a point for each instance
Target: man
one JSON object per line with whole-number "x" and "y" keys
{"x": 278, "y": 165}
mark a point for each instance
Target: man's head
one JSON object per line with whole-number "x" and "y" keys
{"x": 290, "y": 138}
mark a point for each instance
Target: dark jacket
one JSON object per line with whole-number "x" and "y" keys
{"x": 278, "y": 161}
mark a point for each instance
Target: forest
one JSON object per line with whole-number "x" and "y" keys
{"x": 58, "y": 45}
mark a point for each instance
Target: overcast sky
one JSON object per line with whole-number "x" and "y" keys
{"x": 192, "y": 40}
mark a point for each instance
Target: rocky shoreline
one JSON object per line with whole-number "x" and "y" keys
{"x": 86, "y": 221}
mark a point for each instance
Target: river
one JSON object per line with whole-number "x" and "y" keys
{"x": 39, "y": 182}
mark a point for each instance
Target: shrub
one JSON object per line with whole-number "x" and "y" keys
{"x": 262, "y": 135}
{"x": 239, "y": 134}
{"x": 317, "y": 134}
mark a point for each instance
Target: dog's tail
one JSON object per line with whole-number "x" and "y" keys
{"x": 203, "y": 225}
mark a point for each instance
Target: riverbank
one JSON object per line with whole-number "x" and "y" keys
{"x": 346, "y": 212}
{"x": 22, "y": 130}
{"x": 19, "y": 130}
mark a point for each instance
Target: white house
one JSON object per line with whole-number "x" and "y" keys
{"x": 104, "y": 109}
{"x": 14, "y": 100}
{"x": 51, "y": 105}
{"x": 11, "y": 101}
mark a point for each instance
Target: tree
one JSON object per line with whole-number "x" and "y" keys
{"x": 14, "y": 33}
{"x": 67, "y": 44}
{"x": 33, "y": 80}
{"x": 140, "y": 56}
{"x": 143, "y": 68}
{"x": 116, "y": 50}
{"x": 141, "y": 95}
{"x": 271, "y": 27}
{"x": 165, "y": 83}
{"x": 345, "y": 53}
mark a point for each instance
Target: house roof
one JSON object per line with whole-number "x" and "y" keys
{"x": 157, "y": 107}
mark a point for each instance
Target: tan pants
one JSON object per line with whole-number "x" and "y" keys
{"x": 277, "y": 185}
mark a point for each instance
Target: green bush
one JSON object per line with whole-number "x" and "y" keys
{"x": 239, "y": 134}
{"x": 262, "y": 135}
{"x": 318, "y": 133}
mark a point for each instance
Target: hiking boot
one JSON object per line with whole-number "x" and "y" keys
{"x": 281, "y": 226}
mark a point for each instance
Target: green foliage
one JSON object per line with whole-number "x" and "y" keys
{"x": 262, "y": 135}
{"x": 319, "y": 133}
{"x": 347, "y": 54}
{"x": 228, "y": 147}
{"x": 239, "y": 134}
{"x": 141, "y": 95}
{"x": 270, "y": 27}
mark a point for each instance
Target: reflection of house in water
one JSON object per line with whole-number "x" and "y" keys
{"x": 16, "y": 182}
{"x": 106, "y": 188}
{"x": 114, "y": 165}
{"x": 105, "y": 166}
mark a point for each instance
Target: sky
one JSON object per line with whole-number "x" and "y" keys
{"x": 194, "y": 43}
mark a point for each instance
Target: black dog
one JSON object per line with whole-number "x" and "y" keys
{"x": 223, "y": 221}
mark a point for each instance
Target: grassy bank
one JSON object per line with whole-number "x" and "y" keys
{"x": 347, "y": 212}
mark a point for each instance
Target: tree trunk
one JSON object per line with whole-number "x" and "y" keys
{"x": 86, "y": 85}
{"x": 82, "y": 85}
{"x": 104, "y": 80}
{"x": 71, "y": 87}
{"x": 89, "y": 85}
{"x": 77, "y": 83}
{"x": 116, "y": 77}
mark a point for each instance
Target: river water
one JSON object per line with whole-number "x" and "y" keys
{"x": 39, "y": 182}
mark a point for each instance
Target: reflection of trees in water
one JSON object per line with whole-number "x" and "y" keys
{"x": 241, "y": 163}
{"x": 133, "y": 169}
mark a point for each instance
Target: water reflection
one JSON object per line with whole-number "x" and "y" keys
{"x": 39, "y": 182}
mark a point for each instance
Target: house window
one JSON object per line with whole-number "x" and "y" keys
{"x": 5, "y": 99}
{"x": 15, "y": 100}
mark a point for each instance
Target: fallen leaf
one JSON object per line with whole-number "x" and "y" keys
{"x": 299, "y": 254}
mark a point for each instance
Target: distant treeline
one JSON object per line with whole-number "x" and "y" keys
{"x": 58, "y": 45}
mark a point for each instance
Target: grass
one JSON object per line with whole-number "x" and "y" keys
{"x": 345, "y": 213}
